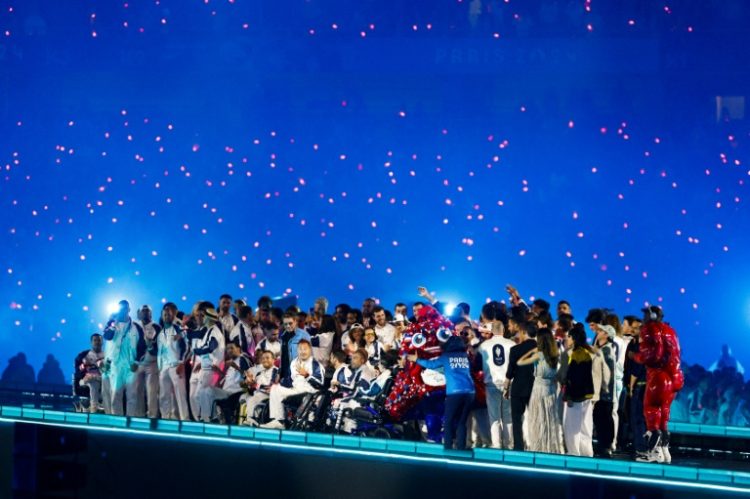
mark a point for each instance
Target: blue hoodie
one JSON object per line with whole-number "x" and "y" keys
{"x": 455, "y": 364}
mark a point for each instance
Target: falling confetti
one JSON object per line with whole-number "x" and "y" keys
{"x": 195, "y": 188}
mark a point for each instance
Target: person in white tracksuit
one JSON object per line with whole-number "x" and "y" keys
{"x": 147, "y": 375}
{"x": 210, "y": 352}
{"x": 194, "y": 331}
{"x": 306, "y": 377}
{"x": 171, "y": 349}
{"x": 260, "y": 380}
{"x": 124, "y": 348}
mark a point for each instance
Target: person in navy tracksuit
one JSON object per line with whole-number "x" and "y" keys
{"x": 307, "y": 376}
{"x": 459, "y": 389}
{"x": 358, "y": 374}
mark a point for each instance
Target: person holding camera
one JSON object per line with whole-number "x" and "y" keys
{"x": 125, "y": 346}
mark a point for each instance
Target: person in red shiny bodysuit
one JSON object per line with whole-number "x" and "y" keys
{"x": 659, "y": 351}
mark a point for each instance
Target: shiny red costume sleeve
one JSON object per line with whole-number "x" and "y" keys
{"x": 651, "y": 347}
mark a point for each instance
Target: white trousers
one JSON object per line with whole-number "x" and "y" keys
{"x": 206, "y": 398}
{"x": 252, "y": 402}
{"x": 195, "y": 407}
{"x": 95, "y": 391}
{"x": 615, "y": 407}
{"x": 112, "y": 399}
{"x": 501, "y": 423}
{"x": 279, "y": 394}
{"x": 478, "y": 429}
{"x": 146, "y": 388}
{"x": 204, "y": 395}
{"x": 578, "y": 428}
{"x": 172, "y": 392}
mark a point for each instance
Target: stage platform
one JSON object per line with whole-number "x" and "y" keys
{"x": 285, "y": 457}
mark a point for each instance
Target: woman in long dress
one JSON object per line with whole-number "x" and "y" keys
{"x": 543, "y": 422}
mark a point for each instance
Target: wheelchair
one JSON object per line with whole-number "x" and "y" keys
{"x": 370, "y": 418}
{"x": 81, "y": 393}
{"x": 422, "y": 423}
{"x": 304, "y": 412}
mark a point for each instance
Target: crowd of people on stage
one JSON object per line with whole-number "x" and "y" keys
{"x": 718, "y": 395}
{"x": 518, "y": 376}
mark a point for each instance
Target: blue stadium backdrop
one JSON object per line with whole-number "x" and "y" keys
{"x": 179, "y": 149}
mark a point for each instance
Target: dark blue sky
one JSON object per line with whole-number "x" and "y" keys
{"x": 180, "y": 150}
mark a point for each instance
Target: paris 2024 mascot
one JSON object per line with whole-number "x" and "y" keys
{"x": 659, "y": 351}
{"x": 418, "y": 393}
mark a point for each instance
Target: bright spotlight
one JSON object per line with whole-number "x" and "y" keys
{"x": 113, "y": 307}
{"x": 449, "y": 308}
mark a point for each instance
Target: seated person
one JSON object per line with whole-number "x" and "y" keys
{"x": 373, "y": 346}
{"x": 306, "y": 377}
{"x": 92, "y": 376}
{"x": 259, "y": 382}
{"x": 353, "y": 338}
{"x": 358, "y": 374}
{"x": 364, "y": 394}
{"x": 227, "y": 393}
{"x": 340, "y": 370}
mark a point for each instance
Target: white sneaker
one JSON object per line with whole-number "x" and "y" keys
{"x": 273, "y": 425}
{"x": 651, "y": 456}
{"x": 645, "y": 457}
{"x": 659, "y": 454}
{"x": 250, "y": 422}
{"x": 666, "y": 454}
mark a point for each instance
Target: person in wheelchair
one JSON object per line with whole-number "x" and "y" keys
{"x": 358, "y": 375}
{"x": 259, "y": 382}
{"x": 349, "y": 379}
{"x": 367, "y": 394}
{"x": 340, "y": 370}
{"x": 306, "y": 377}
{"x": 346, "y": 378}
{"x": 227, "y": 394}
{"x": 88, "y": 364}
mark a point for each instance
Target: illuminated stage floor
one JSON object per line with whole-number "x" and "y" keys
{"x": 614, "y": 478}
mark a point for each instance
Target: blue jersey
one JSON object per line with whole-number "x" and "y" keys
{"x": 455, "y": 366}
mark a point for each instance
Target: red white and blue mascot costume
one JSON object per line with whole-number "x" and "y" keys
{"x": 416, "y": 386}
